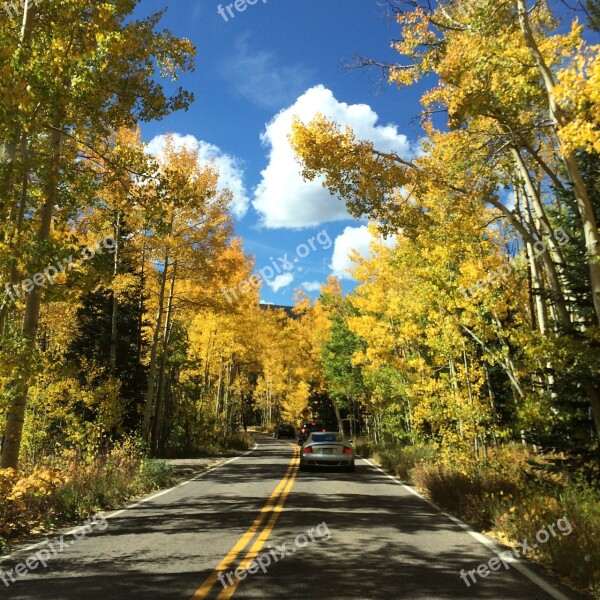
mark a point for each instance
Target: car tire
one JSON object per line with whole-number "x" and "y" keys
{"x": 303, "y": 467}
{"x": 351, "y": 468}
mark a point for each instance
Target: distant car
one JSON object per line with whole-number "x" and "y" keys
{"x": 326, "y": 449}
{"x": 284, "y": 430}
{"x": 307, "y": 428}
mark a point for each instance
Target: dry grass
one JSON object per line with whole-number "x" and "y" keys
{"x": 70, "y": 488}
{"x": 514, "y": 496}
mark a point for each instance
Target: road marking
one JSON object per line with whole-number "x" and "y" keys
{"x": 241, "y": 544}
{"x": 116, "y": 513}
{"x": 264, "y": 534}
{"x": 179, "y": 485}
{"x": 482, "y": 539}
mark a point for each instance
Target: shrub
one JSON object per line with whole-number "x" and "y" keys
{"x": 27, "y": 501}
{"x": 401, "y": 460}
{"x": 239, "y": 441}
{"x": 469, "y": 494}
{"x": 76, "y": 487}
{"x": 574, "y": 553}
{"x": 474, "y": 489}
{"x": 99, "y": 482}
{"x": 364, "y": 447}
{"x": 217, "y": 444}
{"x": 154, "y": 474}
{"x": 516, "y": 494}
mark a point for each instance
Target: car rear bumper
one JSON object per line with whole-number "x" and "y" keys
{"x": 331, "y": 460}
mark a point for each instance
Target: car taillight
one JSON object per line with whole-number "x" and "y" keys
{"x": 347, "y": 450}
{"x": 324, "y": 430}
{"x": 307, "y": 450}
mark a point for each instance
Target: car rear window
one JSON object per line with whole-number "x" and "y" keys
{"x": 326, "y": 437}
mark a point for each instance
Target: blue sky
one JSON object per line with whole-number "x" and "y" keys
{"x": 254, "y": 72}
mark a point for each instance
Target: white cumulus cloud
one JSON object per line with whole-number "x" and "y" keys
{"x": 280, "y": 282}
{"x": 231, "y": 174}
{"x": 352, "y": 238}
{"x": 283, "y": 198}
{"x": 312, "y": 286}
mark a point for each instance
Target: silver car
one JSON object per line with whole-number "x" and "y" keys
{"x": 326, "y": 449}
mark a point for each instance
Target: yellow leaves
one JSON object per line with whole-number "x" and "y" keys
{"x": 367, "y": 180}
{"x": 123, "y": 283}
{"x": 415, "y": 32}
{"x": 42, "y": 482}
{"x": 484, "y": 67}
{"x": 320, "y": 135}
{"x": 415, "y": 351}
{"x": 258, "y": 352}
{"x": 578, "y": 94}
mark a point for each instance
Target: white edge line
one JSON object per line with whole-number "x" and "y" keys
{"x": 487, "y": 542}
{"x": 122, "y": 510}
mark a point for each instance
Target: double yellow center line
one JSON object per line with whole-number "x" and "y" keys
{"x": 274, "y": 506}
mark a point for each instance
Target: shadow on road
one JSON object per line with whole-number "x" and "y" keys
{"x": 385, "y": 543}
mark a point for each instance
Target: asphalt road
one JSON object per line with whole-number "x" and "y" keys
{"x": 346, "y": 535}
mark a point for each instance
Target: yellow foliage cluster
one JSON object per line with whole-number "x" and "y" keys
{"x": 578, "y": 93}
{"x": 253, "y": 352}
{"x": 24, "y": 498}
